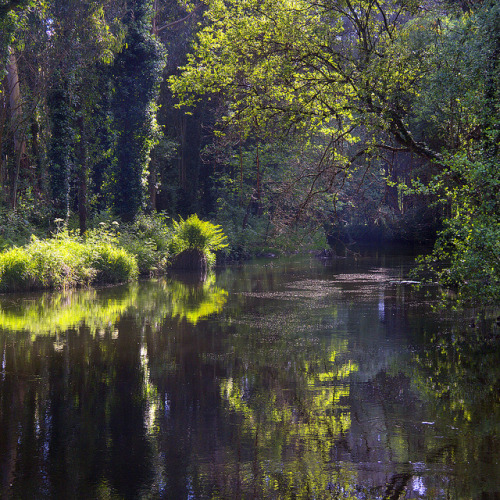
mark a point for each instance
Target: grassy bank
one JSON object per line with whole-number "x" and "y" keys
{"x": 65, "y": 261}
{"x": 107, "y": 254}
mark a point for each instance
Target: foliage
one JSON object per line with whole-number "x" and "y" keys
{"x": 466, "y": 255}
{"x": 194, "y": 233}
{"x": 136, "y": 73}
{"x": 327, "y": 67}
{"x": 467, "y": 252}
{"x": 148, "y": 239}
{"x": 17, "y": 226}
{"x": 111, "y": 264}
{"x": 355, "y": 118}
{"x": 12, "y": 14}
{"x": 61, "y": 149}
{"x": 65, "y": 261}
{"x": 372, "y": 78}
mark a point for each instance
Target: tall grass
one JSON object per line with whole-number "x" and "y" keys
{"x": 148, "y": 238}
{"x": 109, "y": 253}
{"x": 65, "y": 261}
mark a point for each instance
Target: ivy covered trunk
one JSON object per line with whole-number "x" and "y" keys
{"x": 60, "y": 149}
{"x": 137, "y": 75}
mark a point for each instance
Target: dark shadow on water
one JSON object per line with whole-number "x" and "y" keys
{"x": 281, "y": 378}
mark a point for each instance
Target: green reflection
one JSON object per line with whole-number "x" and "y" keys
{"x": 195, "y": 302}
{"x": 51, "y": 313}
{"x": 290, "y": 396}
{"x": 458, "y": 373}
{"x": 303, "y": 393}
{"x": 57, "y": 312}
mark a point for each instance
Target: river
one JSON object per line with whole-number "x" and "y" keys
{"x": 280, "y": 378}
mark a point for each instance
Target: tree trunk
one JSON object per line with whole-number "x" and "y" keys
{"x": 3, "y": 116}
{"x": 152, "y": 180}
{"x": 16, "y": 113}
{"x": 182, "y": 159}
{"x": 82, "y": 178}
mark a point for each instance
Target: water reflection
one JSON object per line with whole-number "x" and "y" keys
{"x": 275, "y": 380}
{"x": 52, "y": 313}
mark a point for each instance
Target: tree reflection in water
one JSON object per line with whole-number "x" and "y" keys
{"x": 285, "y": 387}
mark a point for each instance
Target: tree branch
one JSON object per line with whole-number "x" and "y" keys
{"x": 179, "y": 21}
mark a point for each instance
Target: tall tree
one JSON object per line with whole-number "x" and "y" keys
{"x": 83, "y": 43}
{"x": 137, "y": 74}
{"x": 359, "y": 74}
{"x": 12, "y": 15}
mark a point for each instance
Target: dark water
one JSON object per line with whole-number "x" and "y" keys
{"x": 274, "y": 379}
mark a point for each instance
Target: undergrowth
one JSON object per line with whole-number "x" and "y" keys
{"x": 65, "y": 261}
{"x": 109, "y": 253}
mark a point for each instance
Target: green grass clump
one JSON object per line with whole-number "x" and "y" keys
{"x": 65, "y": 261}
{"x": 112, "y": 264}
{"x": 16, "y": 270}
{"x": 194, "y": 233}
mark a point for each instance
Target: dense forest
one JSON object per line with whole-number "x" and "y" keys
{"x": 287, "y": 122}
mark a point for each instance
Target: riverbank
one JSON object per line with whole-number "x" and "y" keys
{"x": 108, "y": 254}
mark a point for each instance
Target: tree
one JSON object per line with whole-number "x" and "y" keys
{"x": 358, "y": 75}
{"x": 137, "y": 72}
{"x": 77, "y": 91}
{"x": 466, "y": 93}
{"x": 12, "y": 15}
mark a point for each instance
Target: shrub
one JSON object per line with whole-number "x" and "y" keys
{"x": 194, "y": 233}
{"x": 150, "y": 261}
{"x": 16, "y": 270}
{"x": 59, "y": 262}
{"x": 53, "y": 263}
{"x": 65, "y": 261}
{"x": 153, "y": 228}
{"x": 112, "y": 264}
{"x": 147, "y": 238}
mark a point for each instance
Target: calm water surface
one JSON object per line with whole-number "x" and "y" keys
{"x": 289, "y": 378}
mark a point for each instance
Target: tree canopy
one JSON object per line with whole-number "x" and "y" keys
{"x": 365, "y": 119}
{"x": 380, "y": 77}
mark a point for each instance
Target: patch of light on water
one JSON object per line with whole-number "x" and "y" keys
{"x": 150, "y": 393}
{"x": 166, "y": 404}
{"x": 418, "y": 486}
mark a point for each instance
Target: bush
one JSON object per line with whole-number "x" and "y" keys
{"x": 149, "y": 260}
{"x": 195, "y": 234}
{"x": 58, "y": 262}
{"x": 153, "y": 228}
{"x": 54, "y": 263}
{"x": 112, "y": 264}
{"x": 65, "y": 261}
{"x": 147, "y": 238}
{"x": 16, "y": 228}
{"x": 16, "y": 270}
